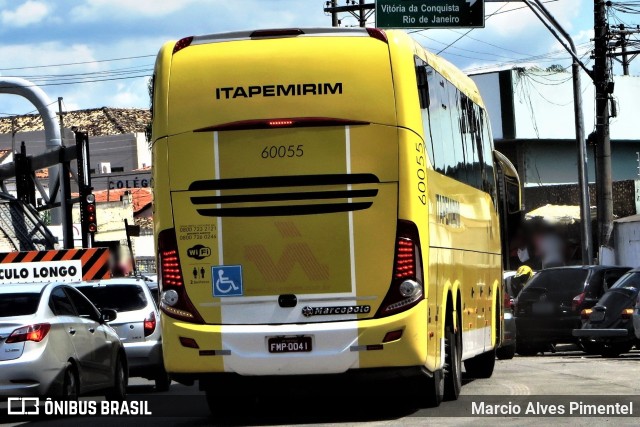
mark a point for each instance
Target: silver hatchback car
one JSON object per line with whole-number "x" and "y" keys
{"x": 137, "y": 324}
{"x": 54, "y": 342}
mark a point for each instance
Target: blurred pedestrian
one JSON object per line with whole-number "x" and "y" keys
{"x": 520, "y": 279}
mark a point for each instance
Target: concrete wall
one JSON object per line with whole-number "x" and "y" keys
{"x": 623, "y": 197}
{"x": 627, "y": 243}
{"x": 127, "y": 151}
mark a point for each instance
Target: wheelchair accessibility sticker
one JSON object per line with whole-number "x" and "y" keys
{"x": 227, "y": 280}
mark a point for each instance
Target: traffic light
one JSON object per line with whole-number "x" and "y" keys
{"x": 88, "y": 212}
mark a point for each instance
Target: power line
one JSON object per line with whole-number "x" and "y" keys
{"x": 115, "y": 70}
{"x": 497, "y": 12}
{"x": 86, "y": 81}
{"x": 491, "y": 44}
{"x": 545, "y": 57}
{"x": 77, "y": 63}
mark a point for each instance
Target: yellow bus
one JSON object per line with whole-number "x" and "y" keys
{"x": 326, "y": 203}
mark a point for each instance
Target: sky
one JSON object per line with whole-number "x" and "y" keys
{"x": 96, "y": 53}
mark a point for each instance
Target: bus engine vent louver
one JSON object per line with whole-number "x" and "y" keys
{"x": 271, "y": 202}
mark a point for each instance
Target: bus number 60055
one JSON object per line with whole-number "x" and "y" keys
{"x": 422, "y": 187}
{"x": 282, "y": 151}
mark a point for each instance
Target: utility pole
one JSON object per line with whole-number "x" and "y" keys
{"x": 334, "y": 15}
{"x": 625, "y": 56}
{"x": 61, "y": 119}
{"x": 13, "y": 136}
{"x": 360, "y": 10}
{"x": 603, "y": 89}
{"x": 622, "y": 33}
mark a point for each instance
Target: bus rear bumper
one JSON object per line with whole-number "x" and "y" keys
{"x": 366, "y": 381}
{"x": 336, "y": 347}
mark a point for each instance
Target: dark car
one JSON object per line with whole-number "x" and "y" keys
{"x": 548, "y": 308}
{"x": 608, "y": 326}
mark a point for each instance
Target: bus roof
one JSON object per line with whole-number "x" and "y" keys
{"x": 441, "y": 65}
{"x": 394, "y": 52}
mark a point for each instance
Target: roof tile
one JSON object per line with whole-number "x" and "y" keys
{"x": 97, "y": 121}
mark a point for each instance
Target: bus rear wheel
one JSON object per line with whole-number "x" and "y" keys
{"x": 453, "y": 365}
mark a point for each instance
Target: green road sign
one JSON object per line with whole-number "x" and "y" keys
{"x": 429, "y": 13}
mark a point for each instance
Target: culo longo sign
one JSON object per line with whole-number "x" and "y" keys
{"x": 65, "y": 265}
{"x": 33, "y": 272}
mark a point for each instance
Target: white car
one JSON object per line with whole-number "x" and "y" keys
{"x": 137, "y": 325}
{"x": 54, "y": 342}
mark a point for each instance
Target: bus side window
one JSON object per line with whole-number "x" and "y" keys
{"x": 450, "y": 155}
{"x": 461, "y": 155}
{"x": 436, "y": 117}
{"x": 423, "y": 96}
{"x": 466, "y": 107}
{"x": 477, "y": 148}
{"x": 488, "y": 176}
{"x": 421, "y": 78}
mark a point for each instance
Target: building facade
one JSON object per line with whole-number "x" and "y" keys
{"x": 119, "y": 165}
{"x": 532, "y": 119}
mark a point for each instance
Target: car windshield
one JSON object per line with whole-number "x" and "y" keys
{"x": 120, "y": 298}
{"x": 21, "y": 304}
{"x": 570, "y": 280}
{"x": 629, "y": 280}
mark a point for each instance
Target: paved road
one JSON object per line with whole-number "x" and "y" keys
{"x": 561, "y": 379}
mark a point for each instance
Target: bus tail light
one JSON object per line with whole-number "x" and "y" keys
{"x": 378, "y": 34}
{"x": 285, "y": 122}
{"x": 407, "y": 282}
{"x": 182, "y": 43}
{"x": 174, "y": 300}
{"x": 280, "y": 123}
{"x": 280, "y": 32}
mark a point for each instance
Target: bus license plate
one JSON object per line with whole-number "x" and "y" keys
{"x": 289, "y": 344}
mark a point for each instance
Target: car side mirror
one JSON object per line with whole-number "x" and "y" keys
{"x": 107, "y": 315}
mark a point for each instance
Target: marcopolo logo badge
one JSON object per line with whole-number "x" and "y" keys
{"x": 199, "y": 252}
{"x": 342, "y": 309}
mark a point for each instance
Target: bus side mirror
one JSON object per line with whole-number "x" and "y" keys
{"x": 513, "y": 197}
